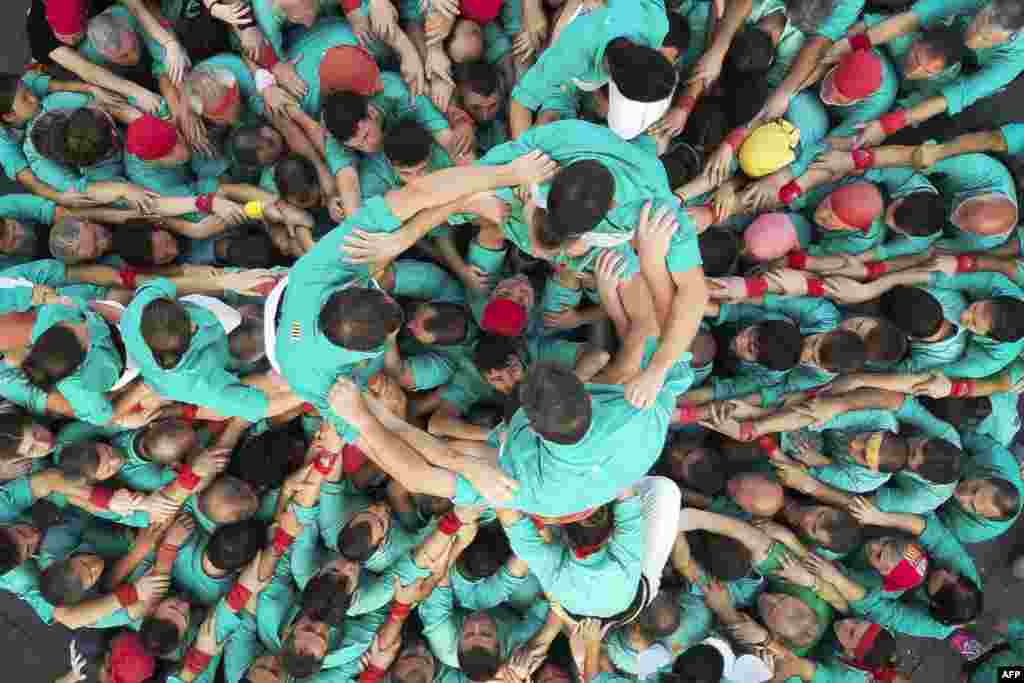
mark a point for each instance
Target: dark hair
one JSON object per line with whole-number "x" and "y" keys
{"x": 920, "y": 214}
{"x": 886, "y": 343}
{"x": 580, "y": 196}
{"x": 750, "y": 54}
{"x": 264, "y": 461}
{"x": 159, "y": 636}
{"x": 157, "y": 435}
{"x": 327, "y": 598}
{"x": 12, "y": 431}
{"x": 407, "y": 143}
{"x": 245, "y": 142}
{"x": 555, "y": 402}
{"x": 135, "y": 244}
{"x": 882, "y": 651}
{"x": 599, "y": 528}
{"x": 359, "y": 318}
{"x": 808, "y": 15}
{"x": 946, "y": 42}
{"x": 1007, "y": 319}
{"x": 701, "y": 663}
{"x": 679, "y": 34}
{"x": 342, "y": 113}
{"x": 720, "y": 251}
{"x": 746, "y": 96}
{"x": 232, "y": 546}
{"x": 250, "y": 250}
{"x": 487, "y": 553}
{"x": 778, "y": 344}
{"x": 914, "y": 310}
{"x": 682, "y": 164}
{"x": 1007, "y": 497}
{"x": 54, "y": 355}
{"x": 1007, "y": 14}
{"x": 167, "y": 330}
{"x": 662, "y": 615}
{"x": 88, "y": 137}
{"x": 706, "y": 475}
{"x": 484, "y": 415}
{"x": 8, "y": 91}
{"x": 708, "y": 125}
{"x": 893, "y": 454}
{"x": 844, "y": 531}
{"x": 963, "y": 413}
{"x": 296, "y": 664}
{"x": 957, "y": 602}
{"x": 449, "y": 324}
{"x": 641, "y": 73}
{"x": 47, "y": 134}
{"x": 9, "y": 554}
{"x": 842, "y": 352}
{"x": 479, "y": 664}
{"x": 295, "y": 175}
{"x": 493, "y": 352}
{"x": 79, "y": 461}
{"x": 724, "y": 558}
{"x": 60, "y": 585}
{"x": 355, "y": 542}
{"x": 479, "y": 77}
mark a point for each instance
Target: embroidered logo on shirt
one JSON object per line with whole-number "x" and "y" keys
{"x": 296, "y": 331}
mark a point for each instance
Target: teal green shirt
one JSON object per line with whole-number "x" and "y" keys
{"x": 845, "y": 473}
{"x": 988, "y": 460}
{"x": 927, "y": 355}
{"x": 499, "y": 588}
{"x": 965, "y": 176}
{"x": 189, "y": 574}
{"x": 12, "y": 157}
{"x": 694, "y": 624}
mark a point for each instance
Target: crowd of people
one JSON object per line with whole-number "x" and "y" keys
{"x": 511, "y": 341}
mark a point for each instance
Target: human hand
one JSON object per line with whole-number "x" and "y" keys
{"x": 231, "y": 13}
{"x": 360, "y": 25}
{"x": 844, "y": 290}
{"x": 565, "y": 319}
{"x": 716, "y": 597}
{"x": 819, "y": 566}
{"x": 77, "y": 663}
{"x": 489, "y": 479}
{"x": 671, "y": 123}
{"x": 708, "y": 68}
{"x": 252, "y": 282}
{"x": 15, "y": 469}
{"x": 437, "y": 27}
{"x": 609, "y": 271}
{"x": 125, "y": 501}
{"x": 865, "y": 512}
{"x": 806, "y": 452}
{"x": 159, "y": 507}
{"x": 531, "y": 168}
{"x": 347, "y": 401}
{"x": 793, "y": 570}
{"x": 177, "y": 62}
{"x": 730, "y": 288}
{"x": 775, "y": 107}
{"x": 152, "y": 587}
{"x": 253, "y": 42}
{"x": 794, "y": 476}
{"x": 927, "y": 155}
{"x": 180, "y": 531}
{"x": 417, "y": 591}
{"x": 476, "y": 279}
{"x": 837, "y": 163}
{"x": 230, "y": 212}
{"x": 44, "y": 295}
{"x": 487, "y": 205}
{"x": 642, "y": 391}
{"x": 389, "y": 392}
{"x": 748, "y": 632}
{"x": 288, "y": 78}
{"x": 413, "y": 72}
{"x": 210, "y": 462}
{"x": 762, "y": 194}
{"x": 383, "y": 18}
{"x": 373, "y": 247}
{"x": 655, "y": 231}
{"x": 937, "y": 385}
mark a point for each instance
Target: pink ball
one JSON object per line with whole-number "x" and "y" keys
{"x": 769, "y": 237}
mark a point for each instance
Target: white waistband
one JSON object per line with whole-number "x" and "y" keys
{"x": 270, "y": 309}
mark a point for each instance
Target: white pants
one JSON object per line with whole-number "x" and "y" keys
{"x": 661, "y": 501}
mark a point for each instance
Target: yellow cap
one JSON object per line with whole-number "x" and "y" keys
{"x": 253, "y": 209}
{"x": 769, "y": 148}
{"x": 873, "y": 451}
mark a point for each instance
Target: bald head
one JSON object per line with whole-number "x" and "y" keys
{"x": 758, "y": 494}
{"x": 988, "y": 215}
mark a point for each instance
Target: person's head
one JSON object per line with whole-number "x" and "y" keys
{"x": 128, "y": 660}
{"x": 163, "y": 631}
{"x": 305, "y": 646}
{"x": 913, "y": 310}
{"x": 229, "y": 500}
{"x": 808, "y": 15}
{"x": 757, "y": 493}
{"x": 486, "y": 555}
{"x": 857, "y": 76}
{"x": 69, "y": 581}
{"x": 349, "y": 117}
{"x": 992, "y": 214}
{"x": 789, "y": 618}
{"x": 266, "y": 669}
{"x": 143, "y": 245}
{"x": 996, "y": 24}
{"x": 719, "y": 250}
{"x": 750, "y": 55}
{"x": 478, "y": 85}
{"x": 918, "y": 214}
{"x": 884, "y": 342}
{"x": 935, "y": 460}
{"x": 724, "y": 558}
{"x": 769, "y": 236}
{"x": 556, "y": 403}
{"x": 702, "y": 663}
{"x": 249, "y": 249}
{"x": 588, "y": 535}
{"x": 302, "y": 12}
{"x": 704, "y": 349}
{"x": 213, "y": 93}
{"x": 256, "y": 146}
{"x": 232, "y": 546}
{"x": 707, "y": 126}
{"x": 769, "y": 147}
{"x": 328, "y": 595}
{"x": 865, "y": 642}
{"x": 360, "y": 318}
{"x": 90, "y": 461}
{"x": 580, "y": 196}
{"x": 660, "y": 618}
{"x": 479, "y": 650}
{"x": 932, "y": 52}
{"x": 74, "y": 241}
{"x": 637, "y": 73}
{"x": 167, "y": 330}
{"x": 953, "y": 599}
{"x": 1001, "y": 318}
{"x": 837, "y": 351}
{"x": 964, "y": 413}
{"x": 18, "y": 542}
{"x": 81, "y": 138}
{"x": 507, "y": 314}
{"x": 500, "y": 362}
{"x": 879, "y": 451}
{"x": 54, "y": 355}
{"x": 744, "y": 100}
{"x": 415, "y": 662}
{"x": 365, "y": 532}
{"x": 264, "y": 461}
{"x": 682, "y": 164}
{"x": 115, "y": 39}
{"x": 68, "y": 19}
{"x": 18, "y": 104}
{"x": 407, "y": 146}
{"x": 775, "y": 344}
{"x": 988, "y": 497}
{"x": 827, "y": 526}
{"x": 20, "y": 238}
{"x": 850, "y": 207}
{"x": 677, "y": 40}
{"x": 900, "y": 561}
{"x": 23, "y": 437}
{"x": 691, "y": 464}
{"x": 465, "y": 43}
{"x": 297, "y": 181}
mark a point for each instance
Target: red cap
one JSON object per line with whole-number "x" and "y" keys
{"x": 66, "y": 17}
{"x": 480, "y": 11}
{"x": 858, "y": 75}
{"x": 856, "y": 204}
{"x": 129, "y": 660}
{"x": 504, "y": 317}
{"x": 910, "y": 571}
{"x": 150, "y": 138}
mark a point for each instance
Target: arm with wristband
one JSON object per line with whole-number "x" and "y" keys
{"x": 982, "y": 142}
{"x": 129, "y": 596}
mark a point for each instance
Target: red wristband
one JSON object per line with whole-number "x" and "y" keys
{"x": 399, "y": 611}
{"x": 962, "y": 388}
{"x": 128, "y": 277}
{"x": 769, "y": 445}
{"x": 196, "y": 660}
{"x": 282, "y": 541}
{"x": 789, "y": 192}
{"x": 166, "y": 554}
{"x": 876, "y": 269}
{"x": 686, "y": 103}
{"x": 349, "y": 5}
{"x": 204, "y": 203}
{"x": 187, "y": 479}
{"x": 352, "y": 458}
{"x": 756, "y": 286}
{"x": 189, "y": 412}
{"x": 863, "y": 158}
{"x": 746, "y": 431}
{"x": 796, "y": 259}
{"x": 100, "y": 497}
{"x": 815, "y": 287}
{"x": 860, "y": 41}
{"x": 371, "y": 674}
{"x": 893, "y": 121}
{"x": 735, "y": 138}
{"x": 238, "y": 597}
{"x": 965, "y": 263}
{"x": 267, "y": 58}
{"x": 324, "y": 461}
{"x": 687, "y": 413}
{"x": 126, "y": 594}
{"x": 308, "y": 409}
{"x": 449, "y": 523}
